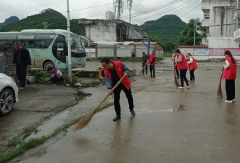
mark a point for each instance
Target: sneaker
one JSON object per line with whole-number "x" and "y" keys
{"x": 188, "y": 87}
{"x": 133, "y": 113}
{"x": 20, "y": 88}
{"x": 229, "y": 101}
{"x": 233, "y": 100}
{"x": 116, "y": 118}
{"x": 180, "y": 87}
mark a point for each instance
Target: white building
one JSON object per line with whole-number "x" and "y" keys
{"x": 221, "y": 22}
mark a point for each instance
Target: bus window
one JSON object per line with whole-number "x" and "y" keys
{"x": 41, "y": 44}
{"x": 29, "y": 43}
{"x": 2, "y": 42}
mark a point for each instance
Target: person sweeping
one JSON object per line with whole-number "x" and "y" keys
{"x": 230, "y": 74}
{"x": 114, "y": 71}
{"x": 182, "y": 66}
{"x": 192, "y": 65}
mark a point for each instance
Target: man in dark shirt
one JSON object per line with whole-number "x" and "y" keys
{"x": 22, "y": 61}
{"x": 114, "y": 71}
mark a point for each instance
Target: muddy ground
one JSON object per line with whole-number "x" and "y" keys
{"x": 171, "y": 125}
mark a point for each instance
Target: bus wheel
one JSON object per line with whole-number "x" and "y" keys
{"x": 48, "y": 64}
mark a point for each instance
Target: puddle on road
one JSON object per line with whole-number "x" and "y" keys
{"x": 178, "y": 109}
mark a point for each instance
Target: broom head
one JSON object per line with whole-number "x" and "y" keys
{"x": 219, "y": 93}
{"x": 84, "y": 121}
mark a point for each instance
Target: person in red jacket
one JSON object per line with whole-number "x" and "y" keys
{"x": 114, "y": 71}
{"x": 182, "y": 66}
{"x": 192, "y": 65}
{"x": 230, "y": 74}
{"x": 152, "y": 61}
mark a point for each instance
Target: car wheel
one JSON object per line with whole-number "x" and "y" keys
{"x": 6, "y": 101}
{"x": 48, "y": 64}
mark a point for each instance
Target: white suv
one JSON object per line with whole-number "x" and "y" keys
{"x": 8, "y": 94}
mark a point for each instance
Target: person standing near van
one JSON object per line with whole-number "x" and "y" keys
{"x": 22, "y": 61}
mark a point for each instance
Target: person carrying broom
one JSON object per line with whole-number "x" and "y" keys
{"x": 182, "y": 66}
{"x": 114, "y": 71}
{"x": 230, "y": 74}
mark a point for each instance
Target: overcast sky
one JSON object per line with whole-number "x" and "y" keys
{"x": 143, "y": 10}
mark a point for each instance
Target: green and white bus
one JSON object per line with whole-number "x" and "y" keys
{"x": 48, "y": 47}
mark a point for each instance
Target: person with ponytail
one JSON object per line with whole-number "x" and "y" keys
{"x": 192, "y": 65}
{"x": 182, "y": 66}
{"x": 230, "y": 74}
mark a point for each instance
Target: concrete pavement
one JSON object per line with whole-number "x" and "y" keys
{"x": 171, "y": 126}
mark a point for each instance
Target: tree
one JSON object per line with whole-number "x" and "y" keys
{"x": 186, "y": 37}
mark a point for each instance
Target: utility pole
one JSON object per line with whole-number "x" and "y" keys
{"x": 69, "y": 45}
{"x": 194, "y": 37}
{"x": 130, "y": 10}
{"x": 46, "y": 25}
{"x": 118, "y": 5}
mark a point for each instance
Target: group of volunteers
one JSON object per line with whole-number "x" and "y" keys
{"x": 182, "y": 64}
{"x": 229, "y": 71}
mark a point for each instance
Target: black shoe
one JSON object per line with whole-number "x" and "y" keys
{"x": 133, "y": 113}
{"x": 116, "y": 118}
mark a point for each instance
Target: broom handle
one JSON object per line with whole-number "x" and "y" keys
{"x": 143, "y": 67}
{"x": 119, "y": 82}
{"x": 221, "y": 75}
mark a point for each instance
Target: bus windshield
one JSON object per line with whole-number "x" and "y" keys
{"x": 77, "y": 45}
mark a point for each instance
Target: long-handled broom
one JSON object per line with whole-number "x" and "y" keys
{"x": 143, "y": 68}
{"x": 219, "y": 92}
{"x": 85, "y": 120}
{"x": 175, "y": 78}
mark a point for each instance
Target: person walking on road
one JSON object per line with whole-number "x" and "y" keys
{"x": 175, "y": 65}
{"x": 22, "y": 61}
{"x": 182, "y": 66}
{"x": 144, "y": 62}
{"x": 114, "y": 71}
{"x": 230, "y": 74}
{"x": 152, "y": 61}
{"x": 192, "y": 65}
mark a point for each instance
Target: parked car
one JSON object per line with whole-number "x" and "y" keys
{"x": 8, "y": 94}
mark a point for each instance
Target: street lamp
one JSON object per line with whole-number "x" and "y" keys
{"x": 69, "y": 45}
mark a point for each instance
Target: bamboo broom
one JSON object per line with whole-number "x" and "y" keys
{"x": 143, "y": 68}
{"x": 175, "y": 78}
{"x": 85, "y": 120}
{"x": 219, "y": 92}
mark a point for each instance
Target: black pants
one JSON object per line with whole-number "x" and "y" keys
{"x": 152, "y": 70}
{"x": 146, "y": 68}
{"x": 177, "y": 72}
{"x": 21, "y": 72}
{"x": 183, "y": 77}
{"x": 192, "y": 76}
{"x": 57, "y": 80}
{"x": 117, "y": 93}
{"x": 230, "y": 89}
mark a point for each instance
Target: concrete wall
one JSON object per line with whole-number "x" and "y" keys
{"x": 222, "y": 42}
{"x": 219, "y": 20}
{"x": 102, "y": 31}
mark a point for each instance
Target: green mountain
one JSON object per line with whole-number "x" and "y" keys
{"x": 49, "y": 18}
{"x": 9, "y": 20}
{"x": 167, "y": 27}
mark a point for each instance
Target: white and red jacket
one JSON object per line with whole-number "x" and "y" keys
{"x": 230, "y": 69}
{"x": 181, "y": 62}
{"x": 192, "y": 64}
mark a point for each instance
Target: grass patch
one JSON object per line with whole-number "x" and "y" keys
{"x": 23, "y": 147}
{"x": 13, "y": 142}
{"x": 167, "y": 54}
